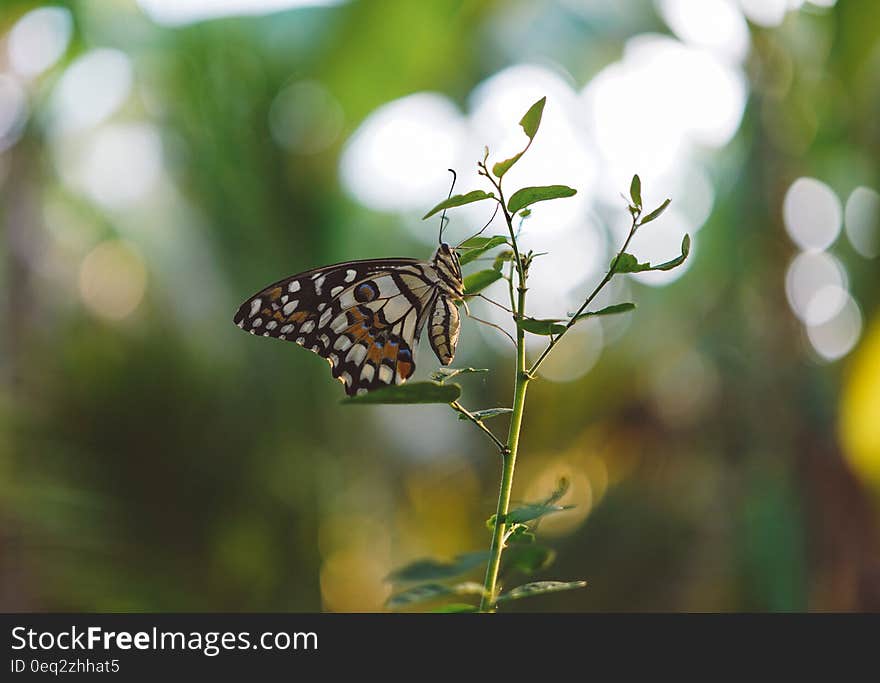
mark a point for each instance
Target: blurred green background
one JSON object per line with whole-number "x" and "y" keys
{"x": 161, "y": 161}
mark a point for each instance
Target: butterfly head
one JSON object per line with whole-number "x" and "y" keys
{"x": 446, "y": 263}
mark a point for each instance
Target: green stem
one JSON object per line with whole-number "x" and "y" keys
{"x": 487, "y": 604}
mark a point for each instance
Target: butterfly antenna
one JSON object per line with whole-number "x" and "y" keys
{"x": 483, "y": 229}
{"x": 443, "y": 215}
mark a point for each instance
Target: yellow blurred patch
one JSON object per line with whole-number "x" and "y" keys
{"x": 860, "y": 411}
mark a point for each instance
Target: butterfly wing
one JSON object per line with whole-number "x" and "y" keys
{"x": 363, "y": 317}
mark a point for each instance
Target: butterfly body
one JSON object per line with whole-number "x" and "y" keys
{"x": 364, "y": 317}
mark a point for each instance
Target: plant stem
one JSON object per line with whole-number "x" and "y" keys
{"x": 487, "y": 603}
{"x": 508, "y": 455}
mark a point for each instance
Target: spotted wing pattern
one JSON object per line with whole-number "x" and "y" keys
{"x": 363, "y": 317}
{"x": 443, "y": 328}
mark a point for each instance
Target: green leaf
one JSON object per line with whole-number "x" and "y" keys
{"x": 531, "y": 120}
{"x": 533, "y": 511}
{"x": 627, "y": 263}
{"x": 443, "y": 374}
{"x": 545, "y": 326}
{"x": 412, "y": 392}
{"x": 431, "y": 591}
{"x": 455, "y": 608}
{"x": 635, "y": 191}
{"x": 561, "y": 489}
{"x": 477, "y": 246}
{"x": 655, "y": 213}
{"x": 608, "y": 310}
{"x": 529, "y": 559}
{"x": 477, "y": 282}
{"x": 540, "y": 588}
{"x": 502, "y": 258}
{"x": 435, "y": 570}
{"x": 520, "y": 533}
{"x": 459, "y": 200}
{"x": 503, "y": 167}
{"x": 529, "y": 195}
{"x": 678, "y": 260}
{"x": 487, "y": 413}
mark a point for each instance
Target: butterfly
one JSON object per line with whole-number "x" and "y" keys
{"x": 364, "y": 317}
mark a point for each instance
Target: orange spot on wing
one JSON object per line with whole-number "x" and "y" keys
{"x": 297, "y": 317}
{"x": 275, "y": 294}
{"x": 405, "y": 369}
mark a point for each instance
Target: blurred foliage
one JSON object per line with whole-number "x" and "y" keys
{"x": 161, "y": 460}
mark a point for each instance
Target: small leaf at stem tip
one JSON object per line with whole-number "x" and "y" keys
{"x": 531, "y": 120}
{"x": 529, "y": 195}
{"x": 608, "y": 310}
{"x": 544, "y": 327}
{"x": 477, "y": 282}
{"x": 655, "y": 213}
{"x": 444, "y": 374}
{"x": 529, "y": 559}
{"x": 539, "y": 588}
{"x": 525, "y": 213}
{"x": 486, "y": 414}
{"x": 635, "y": 191}
{"x": 469, "y": 252}
{"x": 431, "y": 591}
{"x": 435, "y": 570}
{"x": 459, "y": 200}
{"x": 502, "y": 258}
{"x": 413, "y": 392}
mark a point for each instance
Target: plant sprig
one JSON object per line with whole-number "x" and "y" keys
{"x": 517, "y": 528}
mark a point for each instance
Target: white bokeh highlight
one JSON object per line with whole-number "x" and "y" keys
{"x": 862, "y": 221}
{"x": 38, "y": 40}
{"x": 812, "y": 213}
{"x": 91, "y": 89}
{"x": 397, "y": 159}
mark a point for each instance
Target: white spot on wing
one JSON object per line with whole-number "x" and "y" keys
{"x": 340, "y": 322}
{"x": 356, "y": 355}
{"x": 350, "y": 275}
{"x": 255, "y": 306}
{"x": 307, "y": 327}
{"x": 325, "y": 317}
{"x": 257, "y": 322}
{"x": 385, "y": 374}
{"x": 286, "y": 329}
{"x": 367, "y": 373}
{"x": 319, "y": 282}
{"x": 342, "y": 343}
{"x": 290, "y": 307}
{"x": 294, "y": 286}
{"x": 336, "y": 290}
{"x": 271, "y": 325}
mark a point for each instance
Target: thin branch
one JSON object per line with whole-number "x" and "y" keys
{"x": 457, "y": 407}
{"x": 468, "y": 313}
{"x": 495, "y": 303}
{"x": 589, "y": 299}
